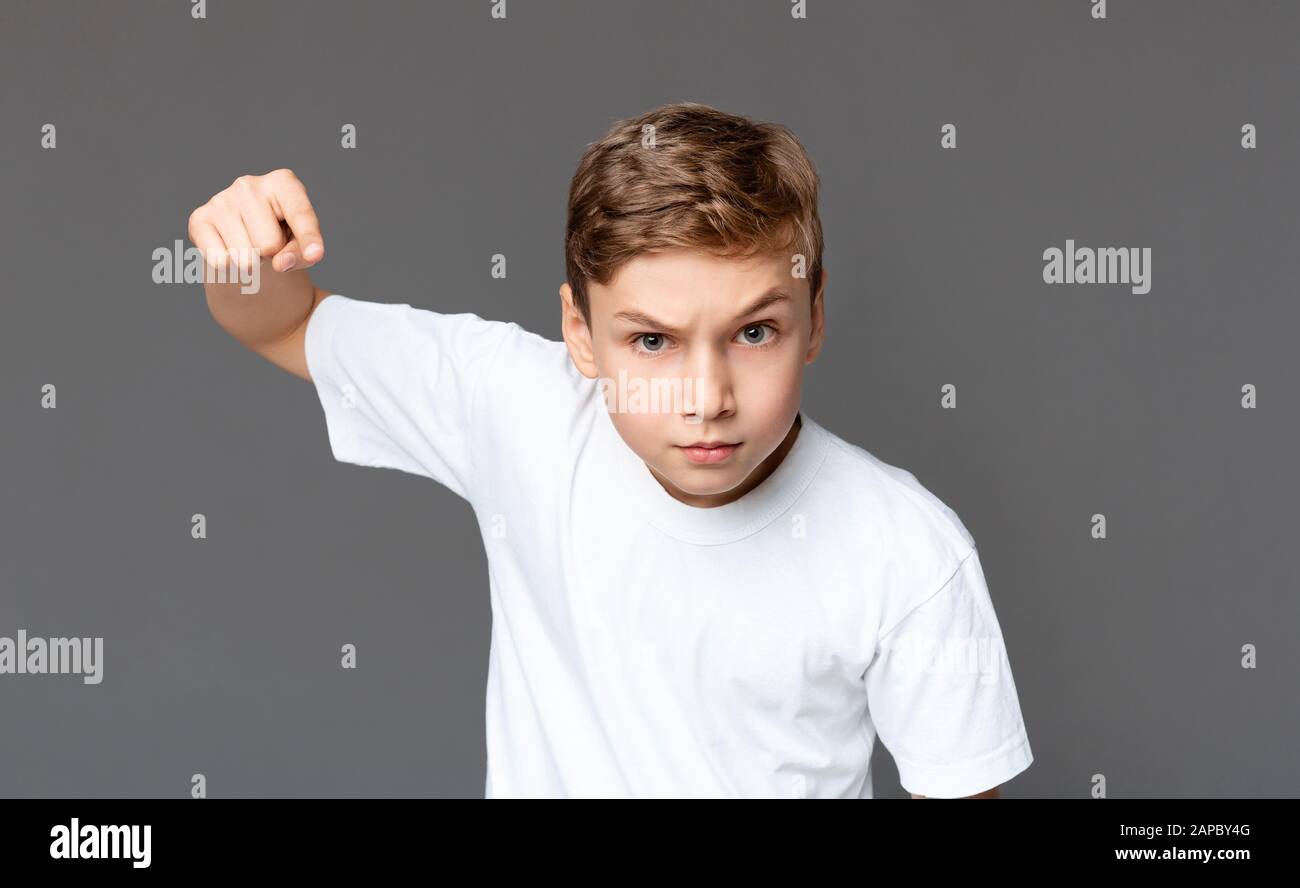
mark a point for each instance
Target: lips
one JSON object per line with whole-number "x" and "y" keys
{"x": 712, "y": 452}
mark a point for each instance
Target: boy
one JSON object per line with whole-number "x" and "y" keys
{"x": 700, "y": 593}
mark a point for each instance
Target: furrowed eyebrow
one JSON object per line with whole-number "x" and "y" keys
{"x": 771, "y": 297}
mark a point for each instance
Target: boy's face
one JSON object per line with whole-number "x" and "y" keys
{"x": 681, "y": 327}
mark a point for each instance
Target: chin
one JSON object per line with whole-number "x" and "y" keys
{"x": 705, "y": 481}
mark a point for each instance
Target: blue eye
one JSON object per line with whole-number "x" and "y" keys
{"x": 655, "y": 336}
{"x": 652, "y": 344}
{"x": 762, "y": 343}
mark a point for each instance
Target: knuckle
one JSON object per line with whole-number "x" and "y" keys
{"x": 285, "y": 182}
{"x": 265, "y": 246}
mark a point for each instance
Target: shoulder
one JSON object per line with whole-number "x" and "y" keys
{"x": 531, "y": 377}
{"x": 910, "y": 535}
{"x": 890, "y": 500}
{"x": 398, "y": 333}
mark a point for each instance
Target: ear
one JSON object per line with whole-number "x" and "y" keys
{"x": 577, "y": 336}
{"x": 818, "y": 334}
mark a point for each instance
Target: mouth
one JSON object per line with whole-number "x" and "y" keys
{"x": 709, "y": 452}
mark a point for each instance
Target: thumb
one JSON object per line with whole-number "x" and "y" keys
{"x": 295, "y": 255}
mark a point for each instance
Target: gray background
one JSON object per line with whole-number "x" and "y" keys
{"x": 222, "y": 655}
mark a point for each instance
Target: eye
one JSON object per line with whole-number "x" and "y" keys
{"x": 654, "y": 343}
{"x": 651, "y": 344}
{"x": 761, "y": 343}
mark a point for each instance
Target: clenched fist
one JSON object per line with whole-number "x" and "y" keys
{"x": 270, "y": 214}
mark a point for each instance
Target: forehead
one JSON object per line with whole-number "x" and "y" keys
{"x": 685, "y": 283}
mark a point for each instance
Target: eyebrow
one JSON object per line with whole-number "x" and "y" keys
{"x": 771, "y": 297}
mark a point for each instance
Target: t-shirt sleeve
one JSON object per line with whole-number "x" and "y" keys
{"x": 941, "y": 694}
{"x": 397, "y": 385}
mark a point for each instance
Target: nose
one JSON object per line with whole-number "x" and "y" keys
{"x": 707, "y": 392}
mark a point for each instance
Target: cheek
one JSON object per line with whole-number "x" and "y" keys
{"x": 614, "y": 358}
{"x": 640, "y": 432}
{"x": 778, "y": 373}
{"x": 606, "y": 358}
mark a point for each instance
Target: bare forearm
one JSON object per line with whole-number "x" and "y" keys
{"x": 280, "y": 305}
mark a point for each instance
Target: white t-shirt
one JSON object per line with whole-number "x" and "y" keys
{"x": 644, "y": 647}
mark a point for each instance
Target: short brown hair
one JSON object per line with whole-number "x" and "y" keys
{"x": 710, "y": 180}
